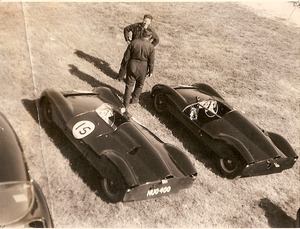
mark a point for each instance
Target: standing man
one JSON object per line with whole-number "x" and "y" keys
{"x": 139, "y": 59}
{"x": 138, "y": 28}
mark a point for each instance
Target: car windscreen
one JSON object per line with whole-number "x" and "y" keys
{"x": 16, "y": 200}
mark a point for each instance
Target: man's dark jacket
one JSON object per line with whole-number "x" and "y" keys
{"x": 139, "y": 57}
{"x": 137, "y": 31}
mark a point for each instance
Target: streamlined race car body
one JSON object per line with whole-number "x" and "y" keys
{"x": 134, "y": 163}
{"x": 243, "y": 148}
{"x": 22, "y": 201}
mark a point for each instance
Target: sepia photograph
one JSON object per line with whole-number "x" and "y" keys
{"x": 150, "y": 114}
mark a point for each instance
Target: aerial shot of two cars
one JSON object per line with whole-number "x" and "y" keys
{"x": 182, "y": 140}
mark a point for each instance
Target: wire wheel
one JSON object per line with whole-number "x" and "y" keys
{"x": 231, "y": 167}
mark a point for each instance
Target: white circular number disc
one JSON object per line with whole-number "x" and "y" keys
{"x": 82, "y": 129}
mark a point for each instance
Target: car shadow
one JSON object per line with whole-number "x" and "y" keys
{"x": 98, "y": 63}
{"x": 277, "y": 218}
{"x": 91, "y": 80}
{"x": 89, "y": 175}
{"x": 200, "y": 151}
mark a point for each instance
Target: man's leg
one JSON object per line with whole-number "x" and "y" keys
{"x": 128, "y": 90}
{"x": 138, "y": 89}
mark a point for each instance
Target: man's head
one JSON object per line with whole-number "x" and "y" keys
{"x": 147, "y": 20}
{"x": 147, "y": 34}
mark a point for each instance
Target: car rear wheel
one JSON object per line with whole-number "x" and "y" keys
{"x": 231, "y": 166}
{"x": 160, "y": 102}
{"x": 46, "y": 110}
{"x": 113, "y": 188}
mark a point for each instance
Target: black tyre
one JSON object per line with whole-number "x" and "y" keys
{"x": 160, "y": 102}
{"x": 113, "y": 188}
{"x": 46, "y": 110}
{"x": 231, "y": 167}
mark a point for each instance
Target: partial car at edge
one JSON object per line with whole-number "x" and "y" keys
{"x": 22, "y": 201}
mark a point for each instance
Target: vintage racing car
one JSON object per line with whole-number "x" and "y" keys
{"x": 22, "y": 201}
{"x": 243, "y": 148}
{"x": 134, "y": 163}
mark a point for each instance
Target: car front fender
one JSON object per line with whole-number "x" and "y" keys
{"x": 239, "y": 146}
{"x": 282, "y": 144}
{"x": 108, "y": 96}
{"x": 123, "y": 168}
{"x": 182, "y": 162}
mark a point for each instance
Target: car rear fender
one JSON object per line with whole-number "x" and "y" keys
{"x": 107, "y": 95}
{"x": 182, "y": 162}
{"x": 172, "y": 94}
{"x": 123, "y": 168}
{"x": 282, "y": 144}
{"x": 238, "y": 145}
{"x": 202, "y": 87}
{"x": 64, "y": 107}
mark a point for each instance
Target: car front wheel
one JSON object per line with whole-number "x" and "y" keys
{"x": 231, "y": 166}
{"x": 160, "y": 102}
{"x": 46, "y": 110}
{"x": 113, "y": 188}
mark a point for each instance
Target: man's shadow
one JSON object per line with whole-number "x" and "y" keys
{"x": 91, "y": 80}
{"x": 277, "y": 218}
{"x": 78, "y": 163}
{"x": 98, "y": 63}
{"x": 194, "y": 146}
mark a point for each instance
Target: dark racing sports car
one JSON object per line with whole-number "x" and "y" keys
{"x": 243, "y": 148}
{"x": 22, "y": 203}
{"x": 133, "y": 162}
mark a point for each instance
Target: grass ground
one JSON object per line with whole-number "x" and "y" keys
{"x": 251, "y": 60}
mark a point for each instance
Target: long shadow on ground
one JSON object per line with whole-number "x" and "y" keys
{"x": 78, "y": 163}
{"x": 90, "y": 79}
{"x": 98, "y": 63}
{"x": 277, "y": 218}
{"x": 201, "y": 152}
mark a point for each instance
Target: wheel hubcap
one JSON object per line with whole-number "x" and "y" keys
{"x": 160, "y": 102}
{"x": 228, "y": 165}
{"x": 112, "y": 187}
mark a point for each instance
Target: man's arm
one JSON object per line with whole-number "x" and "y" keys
{"x": 151, "y": 62}
{"x": 155, "y": 38}
{"x": 128, "y": 29}
{"x": 126, "y": 56}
